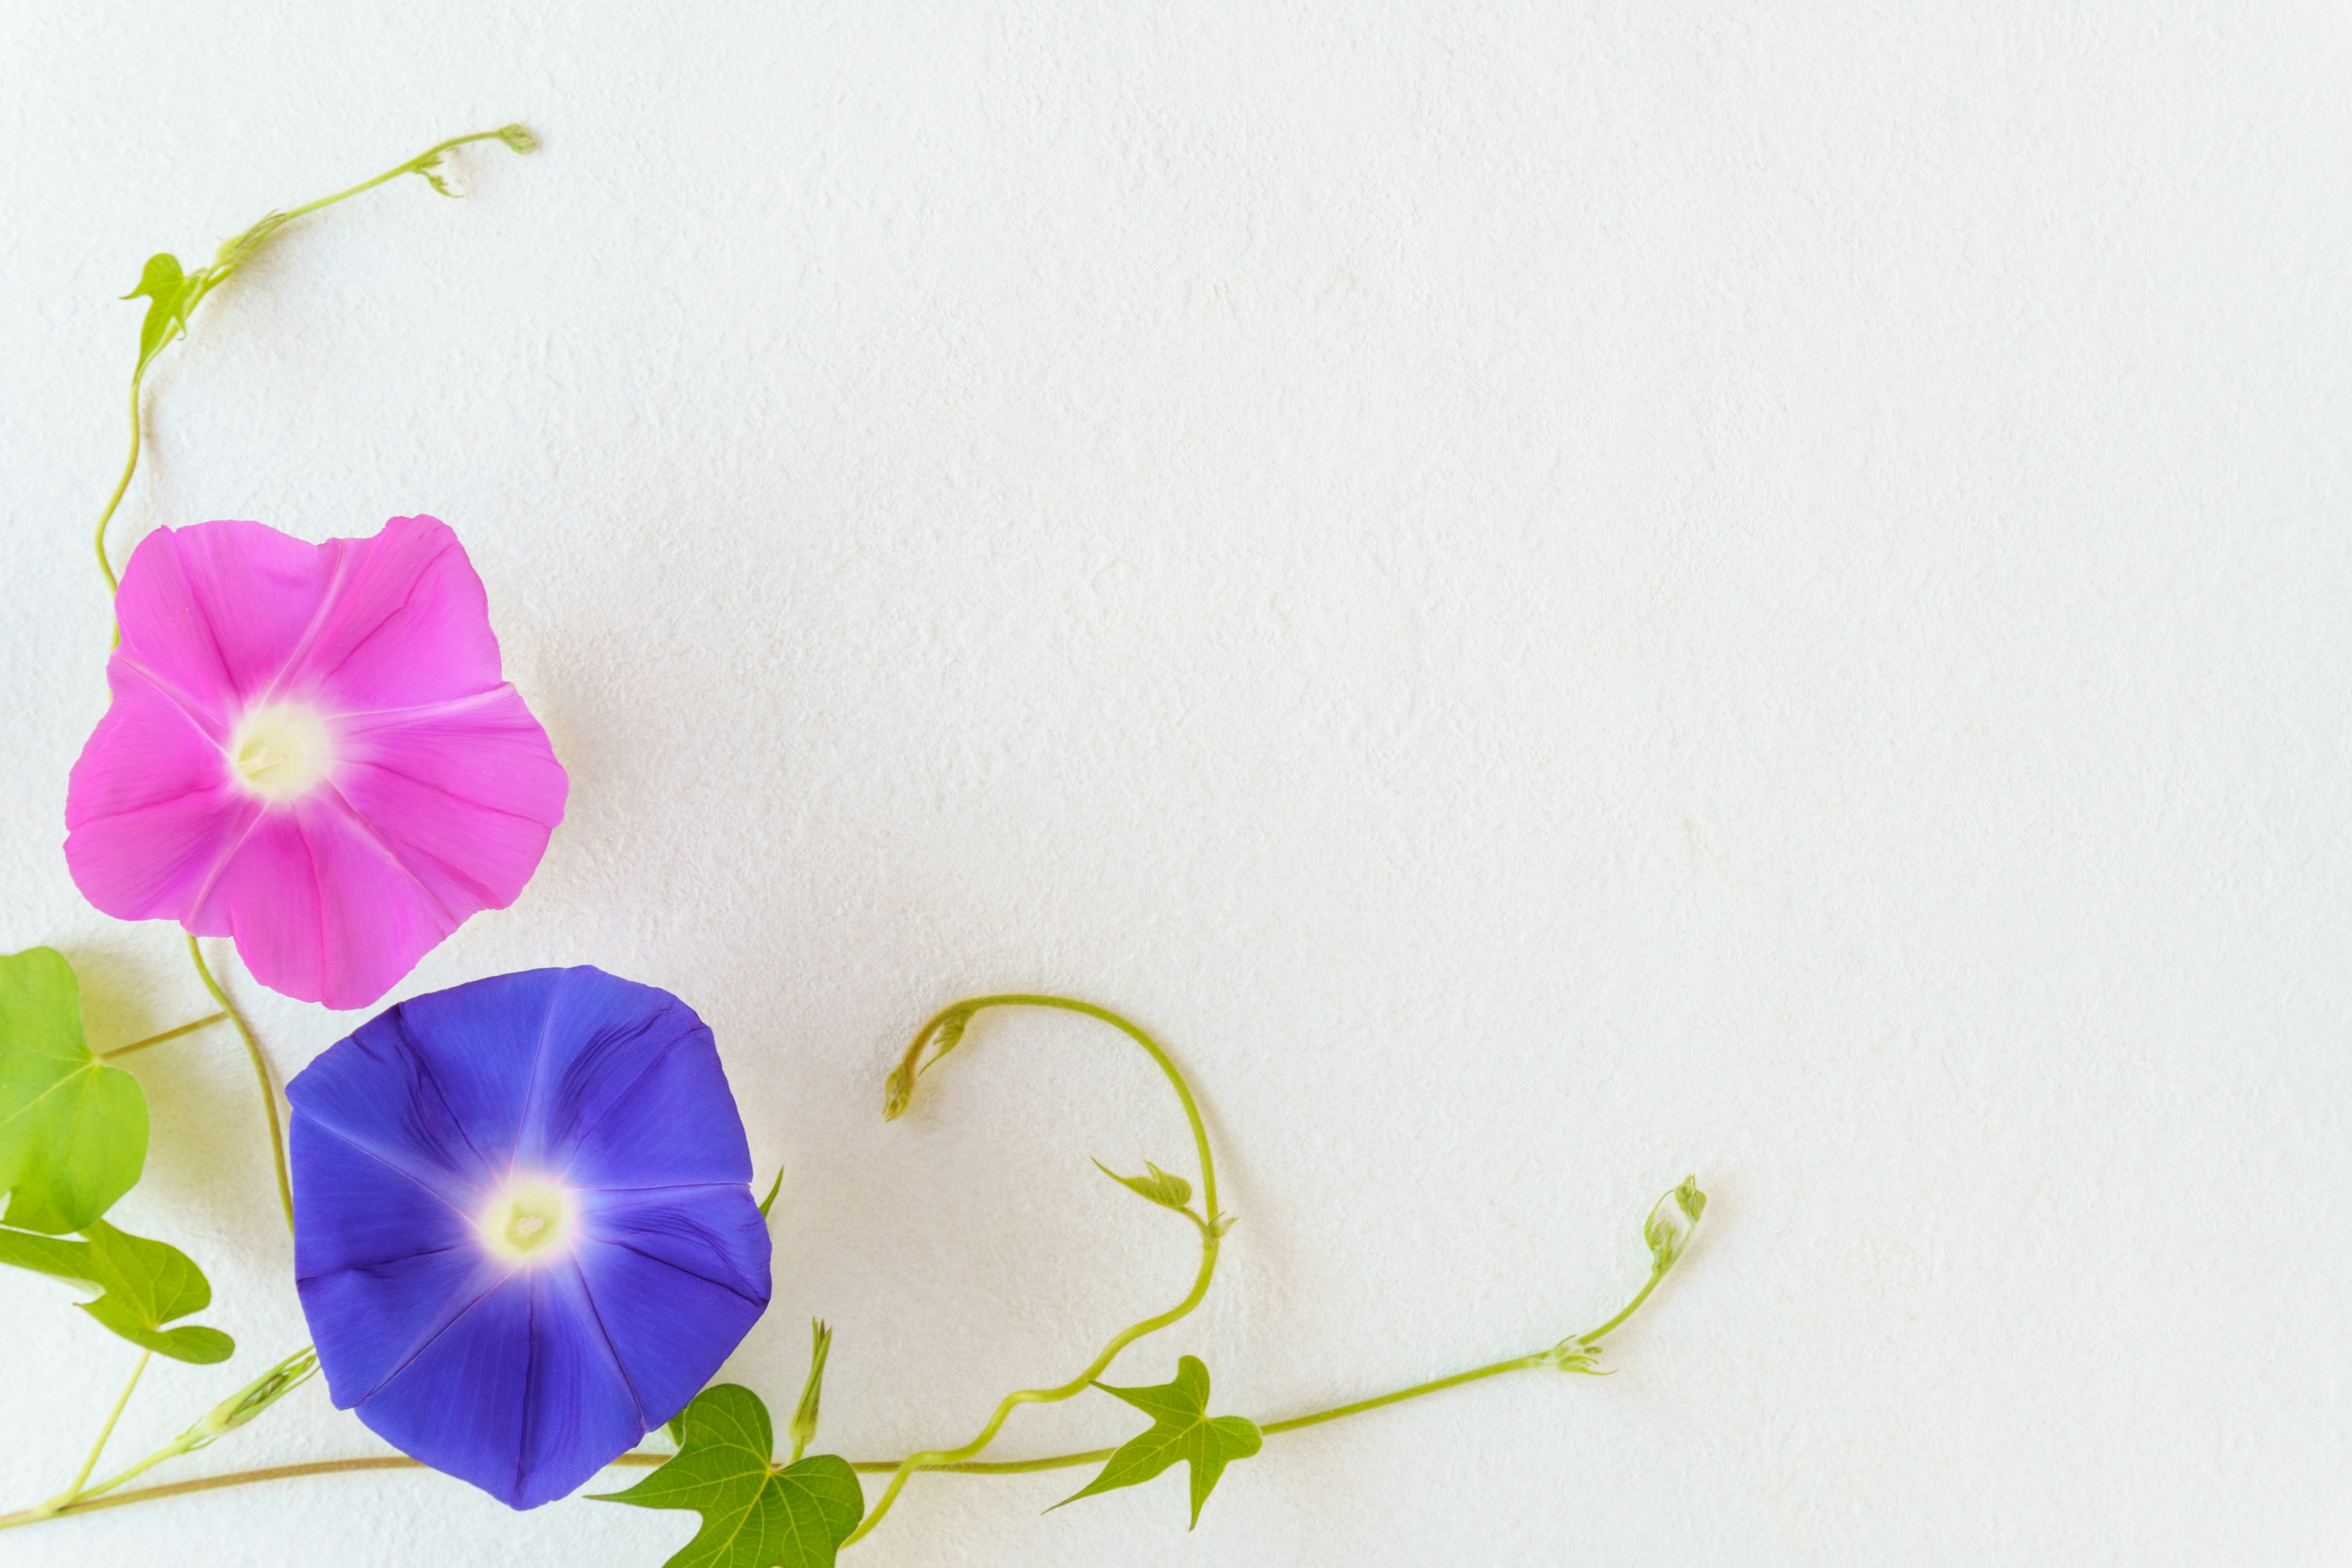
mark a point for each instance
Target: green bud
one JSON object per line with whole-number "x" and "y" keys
{"x": 518, "y": 138}
{"x": 1667, "y": 1231}
{"x": 813, "y": 1391}
{"x": 254, "y": 1398}
{"x": 897, "y": 1091}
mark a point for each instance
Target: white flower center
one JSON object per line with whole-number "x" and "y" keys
{"x": 281, "y": 752}
{"x": 530, "y": 1221}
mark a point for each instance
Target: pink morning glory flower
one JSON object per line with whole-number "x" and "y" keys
{"x": 310, "y": 749}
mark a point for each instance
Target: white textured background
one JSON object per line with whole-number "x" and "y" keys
{"x": 1555, "y": 595}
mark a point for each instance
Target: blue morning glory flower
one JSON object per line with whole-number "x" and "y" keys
{"x": 523, "y": 1227}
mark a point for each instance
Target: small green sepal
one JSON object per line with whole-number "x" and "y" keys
{"x": 1572, "y": 1354}
{"x": 1159, "y": 1187}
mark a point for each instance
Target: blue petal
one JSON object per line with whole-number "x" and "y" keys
{"x": 524, "y": 1381}
{"x": 358, "y": 1210}
{"x": 678, "y": 1276}
{"x": 520, "y": 1394}
{"x": 370, "y": 1320}
{"x": 381, "y": 1093}
{"x": 481, "y": 1045}
{"x": 620, "y": 1131}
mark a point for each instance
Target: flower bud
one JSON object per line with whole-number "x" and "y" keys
{"x": 804, "y": 1430}
{"x": 255, "y": 1397}
{"x": 1668, "y": 1229}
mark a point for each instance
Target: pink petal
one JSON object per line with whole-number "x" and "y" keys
{"x": 150, "y": 808}
{"x": 321, "y": 910}
{"x": 465, "y": 795}
{"x": 407, "y": 624}
{"x": 439, "y": 800}
{"x": 212, "y": 612}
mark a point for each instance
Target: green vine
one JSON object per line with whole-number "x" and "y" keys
{"x": 75, "y": 1164}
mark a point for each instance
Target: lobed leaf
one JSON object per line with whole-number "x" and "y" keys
{"x": 1181, "y": 1429}
{"x": 142, "y": 1284}
{"x": 170, "y": 294}
{"x": 73, "y": 1130}
{"x": 755, "y": 1513}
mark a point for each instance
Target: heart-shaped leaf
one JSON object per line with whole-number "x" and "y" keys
{"x": 755, "y": 1513}
{"x": 142, "y": 1286}
{"x": 73, "y": 1130}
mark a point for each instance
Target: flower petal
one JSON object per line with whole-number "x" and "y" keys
{"x": 371, "y": 1207}
{"x": 464, "y": 794}
{"x": 320, "y": 910}
{"x": 411, "y": 1131}
{"x": 383, "y": 1091}
{"x": 519, "y": 1394}
{"x": 610, "y": 1120}
{"x": 212, "y": 612}
{"x": 151, "y": 813}
{"x": 406, "y": 625}
{"x": 679, "y": 1277}
{"x": 370, "y": 1321}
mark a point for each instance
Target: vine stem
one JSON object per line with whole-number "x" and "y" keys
{"x": 260, "y": 1073}
{"x": 1208, "y": 1222}
{"x": 73, "y": 1488}
{"x": 122, "y": 486}
{"x": 233, "y": 255}
{"x": 641, "y": 1461}
{"x": 205, "y": 1022}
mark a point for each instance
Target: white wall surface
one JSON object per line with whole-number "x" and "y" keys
{"x": 1555, "y": 595}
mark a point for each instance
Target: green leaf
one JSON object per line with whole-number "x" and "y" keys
{"x": 73, "y": 1130}
{"x": 171, "y": 295}
{"x": 1181, "y": 1429}
{"x": 142, "y": 1285}
{"x": 1169, "y": 1192}
{"x": 755, "y": 1513}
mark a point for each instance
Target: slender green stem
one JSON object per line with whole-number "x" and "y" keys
{"x": 1517, "y": 1363}
{"x": 641, "y": 1461}
{"x": 205, "y": 1022}
{"x": 130, "y": 466}
{"x": 415, "y": 165}
{"x": 233, "y": 255}
{"x": 73, "y": 1488}
{"x": 1632, "y": 1306}
{"x": 936, "y": 1458}
{"x": 260, "y": 1074}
